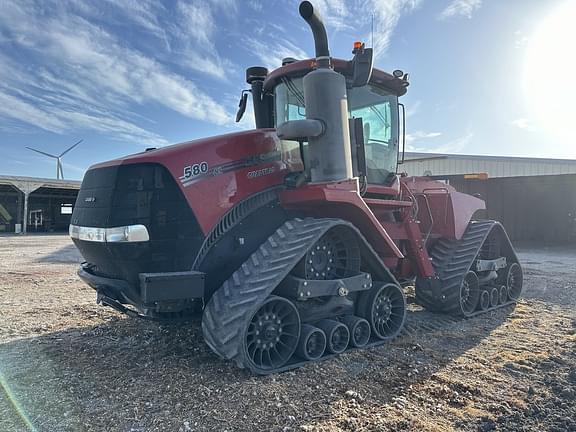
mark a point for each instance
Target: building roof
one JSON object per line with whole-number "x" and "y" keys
{"x": 438, "y": 164}
{"x": 419, "y": 155}
{"x": 33, "y": 183}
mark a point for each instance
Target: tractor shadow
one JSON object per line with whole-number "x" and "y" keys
{"x": 64, "y": 255}
{"x": 100, "y": 374}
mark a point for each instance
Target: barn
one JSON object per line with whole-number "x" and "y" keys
{"x": 30, "y": 204}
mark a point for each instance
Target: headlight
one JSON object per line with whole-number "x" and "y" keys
{"x": 130, "y": 233}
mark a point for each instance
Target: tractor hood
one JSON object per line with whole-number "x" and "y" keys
{"x": 215, "y": 150}
{"x": 213, "y": 174}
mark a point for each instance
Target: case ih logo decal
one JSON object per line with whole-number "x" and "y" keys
{"x": 197, "y": 171}
{"x": 260, "y": 173}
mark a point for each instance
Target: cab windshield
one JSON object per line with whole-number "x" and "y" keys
{"x": 378, "y": 109}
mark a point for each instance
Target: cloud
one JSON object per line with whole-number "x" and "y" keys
{"x": 334, "y": 13}
{"x": 16, "y": 108}
{"x": 456, "y": 145}
{"x": 387, "y": 14}
{"x": 65, "y": 70}
{"x": 413, "y": 108}
{"x": 420, "y": 135}
{"x": 272, "y": 50}
{"x": 523, "y": 123}
{"x": 463, "y": 8}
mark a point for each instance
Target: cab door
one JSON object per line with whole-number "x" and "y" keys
{"x": 379, "y": 113}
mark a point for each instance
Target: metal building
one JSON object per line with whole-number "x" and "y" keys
{"x": 36, "y": 204}
{"x": 534, "y": 198}
{"x": 437, "y": 164}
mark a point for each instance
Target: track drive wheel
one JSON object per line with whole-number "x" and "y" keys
{"x": 384, "y": 307}
{"x": 335, "y": 255}
{"x": 272, "y": 334}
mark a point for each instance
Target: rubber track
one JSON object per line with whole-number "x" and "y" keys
{"x": 452, "y": 259}
{"x": 232, "y": 305}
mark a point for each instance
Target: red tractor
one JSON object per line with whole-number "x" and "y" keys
{"x": 293, "y": 239}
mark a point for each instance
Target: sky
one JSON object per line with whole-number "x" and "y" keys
{"x": 488, "y": 77}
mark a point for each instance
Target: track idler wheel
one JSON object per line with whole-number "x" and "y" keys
{"x": 337, "y": 335}
{"x": 494, "y": 297}
{"x": 272, "y": 335}
{"x": 503, "y": 293}
{"x": 484, "y": 300}
{"x": 359, "y": 330}
{"x": 312, "y": 343}
{"x": 384, "y": 307}
{"x": 469, "y": 293}
{"x": 514, "y": 280}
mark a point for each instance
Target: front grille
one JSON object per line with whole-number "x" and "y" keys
{"x": 137, "y": 194}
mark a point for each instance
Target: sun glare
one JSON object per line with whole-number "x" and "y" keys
{"x": 550, "y": 75}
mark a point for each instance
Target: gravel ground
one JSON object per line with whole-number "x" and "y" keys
{"x": 67, "y": 364}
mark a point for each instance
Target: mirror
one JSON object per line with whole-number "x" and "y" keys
{"x": 242, "y": 105}
{"x": 361, "y": 67}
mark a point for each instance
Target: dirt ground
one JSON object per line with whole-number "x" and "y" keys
{"x": 67, "y": 364}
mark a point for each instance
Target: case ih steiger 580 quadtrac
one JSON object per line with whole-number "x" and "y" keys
{"x": 293, "y": 238}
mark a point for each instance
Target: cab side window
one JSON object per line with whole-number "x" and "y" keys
{"x": 379, "y": 141}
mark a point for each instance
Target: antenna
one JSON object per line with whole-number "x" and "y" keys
{"x": 59, "y": 170}
{"x": 372, "y": 29}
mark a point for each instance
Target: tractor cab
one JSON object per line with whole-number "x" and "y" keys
{"x": 278, "y": 98}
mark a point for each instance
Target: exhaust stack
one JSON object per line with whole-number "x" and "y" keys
{"x": 313, "y": 19}
{"x": 326, "y": 102}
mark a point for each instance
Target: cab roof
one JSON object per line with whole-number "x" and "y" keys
{"x": 300, "y": 68}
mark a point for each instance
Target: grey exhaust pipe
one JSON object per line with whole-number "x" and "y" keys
{"x": 313, "y": 19}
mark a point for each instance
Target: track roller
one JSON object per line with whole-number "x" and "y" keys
{"x": 484, "y": 300}
{"x": 494, "y": 297}
{"x": 503, "y": 294}
{"x": 384, "y": 306}
{"x": 312, "y": 343}
{"x": 337, "y": 335}
{"x": 359, "y": 330}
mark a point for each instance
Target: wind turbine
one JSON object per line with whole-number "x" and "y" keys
{"x": 59, "y": 171}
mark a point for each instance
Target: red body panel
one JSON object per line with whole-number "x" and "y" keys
{"x": 341, "y": 200}
{"x": 239, "y": 165}
{"x": 451, "y": 210}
